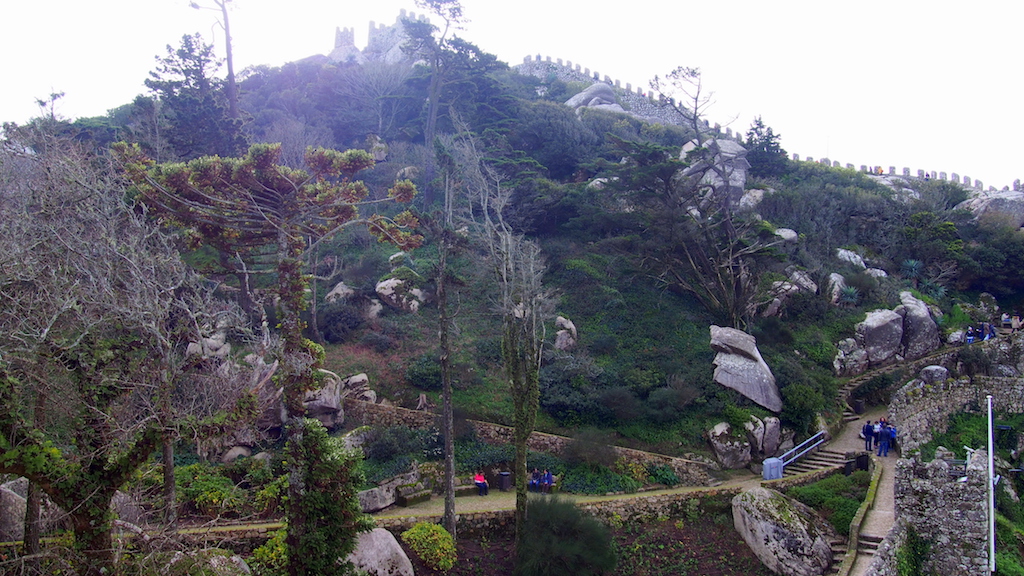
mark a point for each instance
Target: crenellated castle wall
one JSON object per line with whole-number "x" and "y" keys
{"x": 648, "y": 104}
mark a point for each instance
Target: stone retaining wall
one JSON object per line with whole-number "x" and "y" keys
{"x": 690, "y": 472}
{"x": 477, "y": 525}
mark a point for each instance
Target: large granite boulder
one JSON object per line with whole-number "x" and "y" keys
{"x": 732, "y": 452}
{"x": 920, "y": 333}
{"x": 836, "y": 283}
{"x": 880, "y": 335}
{"x": 399, "y": 294}
{"x": 738, "y": 365}
{"x": 378, "y": 553}
{"x": 787, "y": 536}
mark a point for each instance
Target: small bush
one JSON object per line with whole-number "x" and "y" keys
{"x": 338, "y": 320}
{"x": 270, "y": 559}
{"x": 586, "y": 479}
{"x": 377, "y": 342}
{"x": 433, "y": 544}
{"x": 205, "y": 489}
{"x": 662, "y": 474}
{"x": 563, "y": 540}
{"x": 589, "y": 447}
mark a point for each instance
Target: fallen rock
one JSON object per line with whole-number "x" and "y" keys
{"x": 739, "y": 365}
{"x": 787, "y": 536}
{"x": 378, "y": 553}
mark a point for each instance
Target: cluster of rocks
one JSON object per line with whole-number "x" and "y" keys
{"x": 566, "y": 337}
{"x": 759, "y": 439}
{"x": 906, "y": 332}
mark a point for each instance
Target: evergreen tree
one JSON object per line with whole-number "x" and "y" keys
{"x": 194, "y": 103}
{"x": 765, "y": 155}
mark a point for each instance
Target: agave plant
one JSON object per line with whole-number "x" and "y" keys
{"x": 849, "y": 296}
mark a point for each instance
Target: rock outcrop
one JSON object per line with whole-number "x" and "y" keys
{"x": 739, "y": 365}
{"x": 787, "y": 536}
{"x": 378, "y": 553}
{"x": 566, "y": 337}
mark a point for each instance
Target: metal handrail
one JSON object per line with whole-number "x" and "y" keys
{"x": 817, "y": 440}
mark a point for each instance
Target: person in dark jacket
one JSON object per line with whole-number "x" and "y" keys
{"x": 868, "y": 431}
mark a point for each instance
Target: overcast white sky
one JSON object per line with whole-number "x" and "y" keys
{"x": 932, "y": 85}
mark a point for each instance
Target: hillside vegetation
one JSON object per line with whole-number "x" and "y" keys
{"x": 646, "y": 237}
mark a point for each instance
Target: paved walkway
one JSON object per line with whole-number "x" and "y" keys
{"x": 878, "y": 522}
{"x": 880, "y": 517}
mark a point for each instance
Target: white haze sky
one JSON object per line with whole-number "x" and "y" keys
{"x": 932, "y": 85}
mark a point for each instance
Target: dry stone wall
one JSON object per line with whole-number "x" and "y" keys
{"x": 951, "y": 514}
{"x": 919, "y": 409}
{"x": 690, "y": 472}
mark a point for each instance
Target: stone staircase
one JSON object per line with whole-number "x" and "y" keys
{"x": 839, "y": 549}
{"x": 817, "y": 460}
{"x": 868, "y": 544}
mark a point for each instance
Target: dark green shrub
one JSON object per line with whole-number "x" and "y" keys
{"x": 424, "y": 372}
{"x": 974, "y": 360}
{"x": 591, "y": 447}
{"x": 377, "y": 342}
{"x": 563, "y": 541}
{"x": 338, "y": 320}
{"x": 621, "y": 402}
{"x": 584, "y": 479}
{"x": 206, "y": 490}
{"x": 433, "y": 544}
{"x": 662, "y": 474}
{"x": 837, "y": 497}
{"x": 800, "y": 404}
{"x": 476, "y": 455}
